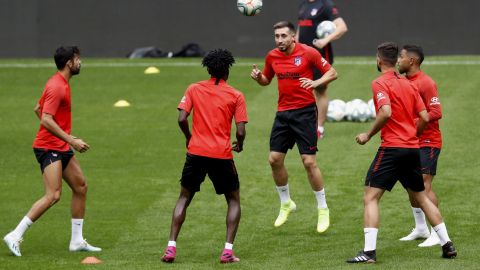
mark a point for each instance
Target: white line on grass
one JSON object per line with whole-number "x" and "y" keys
{"x": 193, "y": 64}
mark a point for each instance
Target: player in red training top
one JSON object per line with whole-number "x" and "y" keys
{"x": 214, "y": 104}
{"x": 53, "y": 150}
{"x": 397, "y": 104}
{"x": 296, "y": 118}
{"x": 409, "y": 61}
{"x": 310, "y": 14}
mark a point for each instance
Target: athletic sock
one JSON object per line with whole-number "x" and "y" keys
{"x": 370, "y": 238}
{"x": 23, "y": 226}
{"x": 172, "y": 243}
{"x": 321, "y": 199}
{"x": 77, "y": 230}
{"x": 284, "y": 193}
{"x": 228, "y": 246}
{"x": 442, "y": 233}
{"x": 420, "y": 222}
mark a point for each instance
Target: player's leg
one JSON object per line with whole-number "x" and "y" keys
{"x": 317, "y": 184}
{"x": 321, "y": 99}
{"x": 233, "y": 219}
{"x": 52, "y": 180}
{"x": 224, "y": 176}
{"x": 436, "y": 220}
{"x": 75, "y": 179}
{"x": 421, "y": 229}
{"x": 280, "y": 176}
{"x": 193, "y": 174}
{"x": 433, "y": 239}
{"x": 371, "y": 220}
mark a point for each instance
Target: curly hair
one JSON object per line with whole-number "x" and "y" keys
{"x": 218, "y": 63}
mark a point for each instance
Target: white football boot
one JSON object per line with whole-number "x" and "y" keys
{"x": 83, "y": 246}
{"x": 13, "y": 243}
{"x": 416, "y": 234}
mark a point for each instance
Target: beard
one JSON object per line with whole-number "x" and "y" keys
{"x": 75, "y": 71}
{"x": 378, "y": 68}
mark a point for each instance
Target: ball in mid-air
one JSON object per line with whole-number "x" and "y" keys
{"x": 325, "y": 28}
{"x": 249, "y": 7}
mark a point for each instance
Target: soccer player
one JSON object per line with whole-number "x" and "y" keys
{"x": 214, "y": 104}
{"x": 409, "y": 61}
{"x": 53, "y": 150}
{"x": 397, "y": 104}
{"x": 296, "y": 119}
{"x": 310, "y": 14}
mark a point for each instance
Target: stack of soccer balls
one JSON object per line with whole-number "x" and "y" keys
{"x": 355, "y": 110}
{"x": 249, "y": 7}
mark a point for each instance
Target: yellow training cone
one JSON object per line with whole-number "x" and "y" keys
{"x": 152, "y": 70}
{"x": 121, "y": 103}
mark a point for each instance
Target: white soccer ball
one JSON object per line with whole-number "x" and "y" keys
{"x": 336, "y": 110}
{"x": 357, "y": 110}
{"x": 249, "y": 7}
{"x": 371, "y": 105}
{"x": 325, "y": 28}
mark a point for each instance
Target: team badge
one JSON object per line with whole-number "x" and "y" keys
{"x": 434, "y": 101}
{"x": 380, "y": 96}
{"x": 298, "y": 61}
{"x": 314, "y": 12}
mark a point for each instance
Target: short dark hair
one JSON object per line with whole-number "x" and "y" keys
{"x": 283, "y": 24}
{"x": 415, "y": 49}
{"x": 218, "y": 62}
{"x": 388, "y": 52}
{"x": 63, "y": 54}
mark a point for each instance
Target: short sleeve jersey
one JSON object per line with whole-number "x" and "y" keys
{"x": 214, "y": 106}
{"x": 431, "y": 136}
{"x": 289, "y": 69}
{"x": 56, "y": 101}
{"x": 310, "y": 15}
{"x": 396, "y": 91}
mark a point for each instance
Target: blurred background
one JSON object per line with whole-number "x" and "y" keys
{"x": 113, "y": 28}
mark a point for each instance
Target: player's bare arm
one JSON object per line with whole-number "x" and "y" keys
{"x": 328, "y": 77}
{"x": 422, "y": 122}
{"x": 49, "y": 123}
{"x": 259, "y": 77}
{"x": 384, "y": 113}
{"x": 183, "y": 124}
{"x": 340, "y": 30}
{"x": 237, "y": 145}
{"x": 38, "y": 111}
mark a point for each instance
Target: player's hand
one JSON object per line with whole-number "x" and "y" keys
{"x": 256, "y": 73}
{"x": 308, "y": 83}
{"x": 362, "y": 138}
{"x": 187, "y": 141}
{"x": 237, "y": 147}
{"x": 79, "y": 145}
{"x": 320, "y": 43}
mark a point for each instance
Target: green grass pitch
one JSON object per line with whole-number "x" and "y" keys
{"x": 137, "y": 155}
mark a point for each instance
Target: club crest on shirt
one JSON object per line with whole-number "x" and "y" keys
{"x": 314, "y": 12}
{"x": 380, "y": 96}
{"x": 434, "y": 101}
{"x": 297, "y": 61}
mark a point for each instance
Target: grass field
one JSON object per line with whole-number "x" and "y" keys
{"x": 137, "y": 154}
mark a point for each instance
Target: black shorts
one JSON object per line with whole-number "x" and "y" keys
{"x": 392, "y": 164}
{"x": 295, "y": 126}
{"x": 429, "y": 158}
{"x": 46, "y": 157}
{"x": 222, "y": 173}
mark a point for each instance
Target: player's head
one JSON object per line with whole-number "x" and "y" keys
{"x": 218, "y": 63}
{"x": 284, "y": 35}
{"x": 410, "y": 56}
{"x": 68, "y": 57}
{"x": 387, "y": 55}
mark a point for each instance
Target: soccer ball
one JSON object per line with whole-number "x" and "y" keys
{"x": 325, "y": 28}
{"x": 371, "y": 105}
{"x": 357, "y": 110}
{"x": 249, "y": 7}
{"x": 336, "y": 110}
